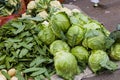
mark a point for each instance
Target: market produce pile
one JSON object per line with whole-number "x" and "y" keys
{"x": 51, "y": 39}
{"x": 8, "y": 7}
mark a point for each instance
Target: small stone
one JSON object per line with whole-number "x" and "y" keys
{"x": 106, "y": 12}
{"x": 71, "y": 3}
{"x": 87, "y": 7}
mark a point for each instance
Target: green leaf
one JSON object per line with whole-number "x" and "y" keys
{"x": 6, "y": 74}
{"x": 25, "y": 45}
{"x": 13, "y": 40}
{"x": 109, "y": 42}
{"x": 34, "y": 18}
{"x": 19, "y": 75}
{"x": 41, "y": 51}
{"x": 2, "y": 66}
{"x": 109, "y": 65}
{"x": 33, "y": 69}
{"x": 42, "y": 70}
{"x": 91, "y": 33}
{"x": 2, "y": 57}
{"x": 23, "y": 53}
{"x": 16, "y": 46}
{"x": 37, "y": 61}
{"x": 19, "y": 27}
{"x": 24, "y": 34}
{"x": 40, "y": 77}
{"x": 115, "y": 35}
{"x": 7, "y": 62}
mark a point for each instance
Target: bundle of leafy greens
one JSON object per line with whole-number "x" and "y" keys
{"x": 8, "y": 7}
{"x": 21, "y": 48}
{"x": 99, "y": 60}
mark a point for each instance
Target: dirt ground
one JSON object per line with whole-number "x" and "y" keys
{"x": 108, "y": 14}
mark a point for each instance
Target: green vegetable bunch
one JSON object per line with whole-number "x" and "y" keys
{"x": 8, "y": 7}
{"x": 99, "y": 60}
{"x": 21, "y": 48}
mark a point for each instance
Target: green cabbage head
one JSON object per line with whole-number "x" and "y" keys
{"x": 66, "y": 65}
{"x": 79, "y": 18}
{"x": 74, "y": 35}
{"x": 99, "y": 60}
{"x": 91, "y": 25}
{"x": 59, "y": 45}
{"x": 60, "y": 23}
{"x": 96, "y": 25}
{"x": 81, "y": 54}
{"x": 46, "y": 34}
{"x": 94, "y": 39}
{"x": 115, "y": 51}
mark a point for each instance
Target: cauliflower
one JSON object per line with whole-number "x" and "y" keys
{"x": 25, "y": 15}
{"x": 37, "y": 1}
{"x": 76, "y": 10}
{"x": 13, "y": 2}
{"x": 43, "y": 14}
{"x": 55, "y": 4}
{"x": 46, "y": 23}
{"x": 66, "y": 10}
{"x": 31, "y": 5}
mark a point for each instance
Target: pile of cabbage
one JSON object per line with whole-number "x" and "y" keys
{"x": 74, "y": 40}
{"x": 80, "y": 42}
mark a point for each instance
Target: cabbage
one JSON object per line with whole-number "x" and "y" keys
{"x": 74, "y": 35}
{"x": 115, "y": 51}
{"x": 60, "y": 23}
{"x": 94, "y": 39}
{"x": 59, "y": 45}
{"x": 79, "y": 19}
{"x": 46, "y": 35}
{"x": 81, "y": 54}
{"x": 66, "y": 65}
{"x": 91, "y": 25}
{"x": 96, "y": 25}
{"x": 99, "y": 60}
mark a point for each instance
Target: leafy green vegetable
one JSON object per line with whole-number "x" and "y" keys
{"x": 115, "y": 51}
{"x": 74, "y": 35}
{"x": 94, "y": 39}
{"x": 6, "y": 74}
{"x": 8, "y": 7}
{"x": 59, "y": 45}
{"x": 92, "y": 25}
{"x": 21, "y": 48}
{"x": 81, "y": 54}
{"x": 115, "y": 35}
{"x": 66, "y": 65}
{"x": 60, "y": 24}
{"x": 35, "y": 7}
{"x": 79, "y": 19}
{"x": 19, "y": 75}
{"x": 40, "y": 71}
{"x": 46, "y": 35}
{"x": 99, "y": 60}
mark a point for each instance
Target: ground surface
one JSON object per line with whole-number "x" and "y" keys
{"x": 109, "y": 15}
